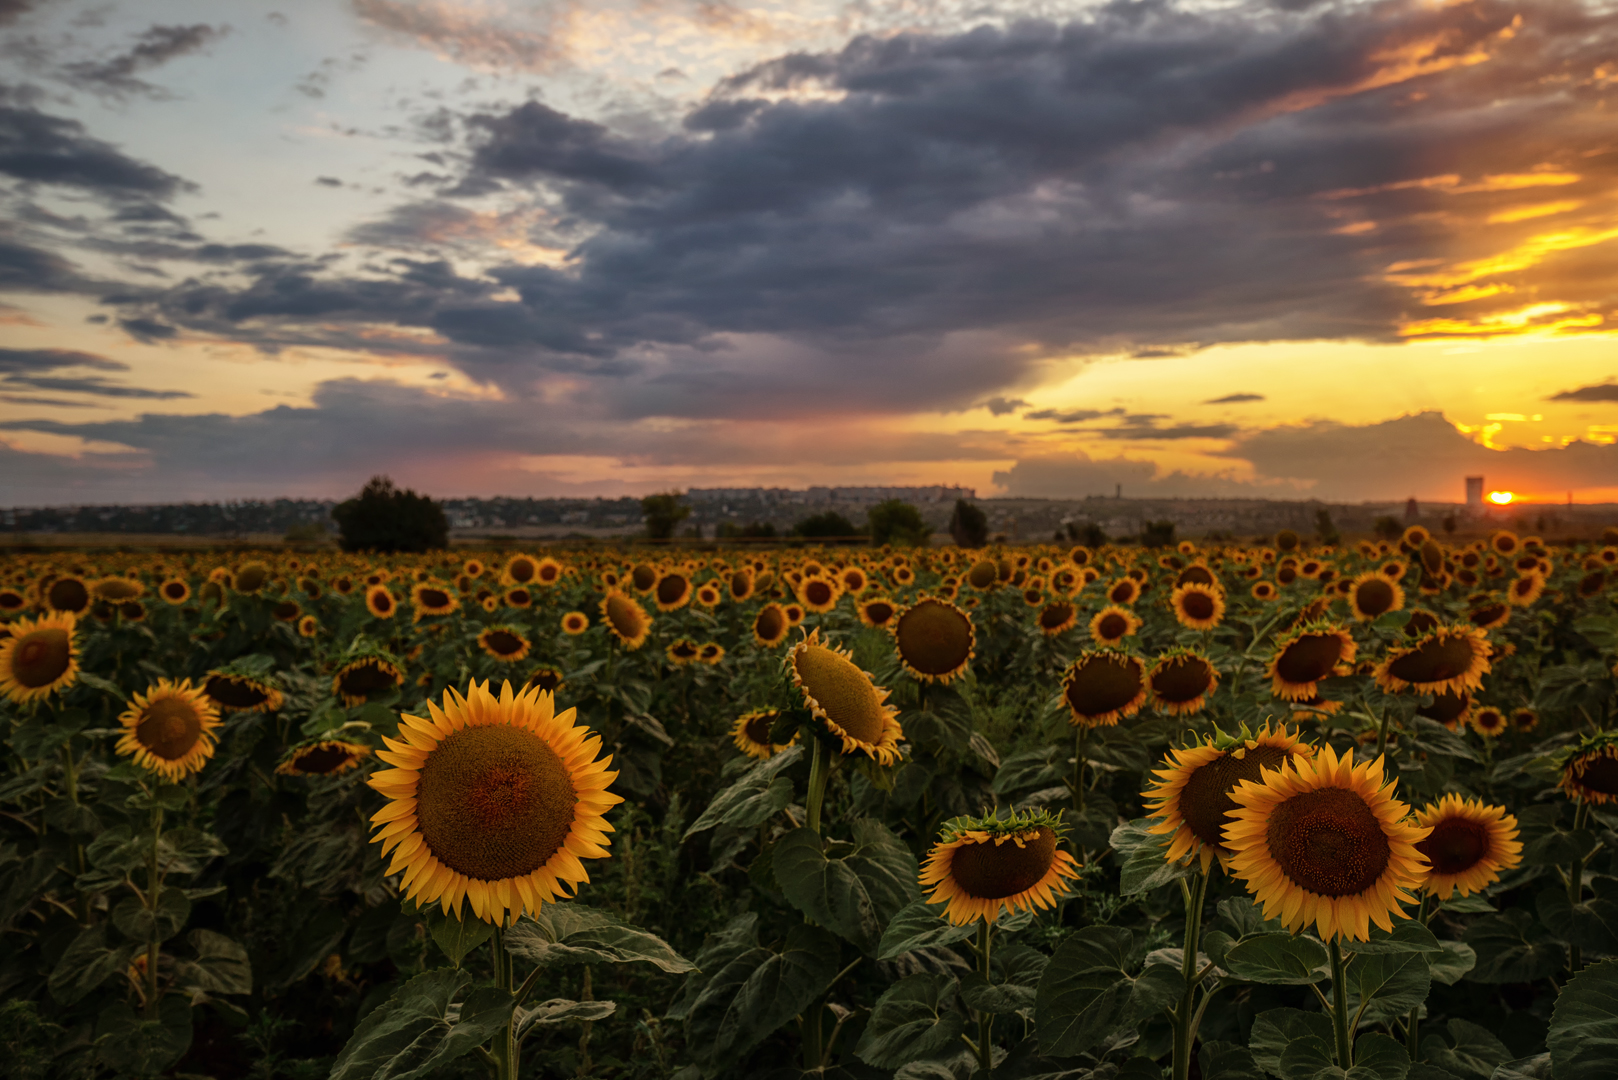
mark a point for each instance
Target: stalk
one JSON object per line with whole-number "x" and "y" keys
{"x": 70, "y": 772}
{"x": 1382, "y": 732}
{"x": 819, "y": 773}
{"x": 154, "y": 889}
{"x": 1185, "y": 1020}
{"x": 985, "y": 1019}
{"x": 1575, "y": 882}
{"x": 1079, "y": 739}
{"x": 1413, "y": 1024}
{"x": 1339, "y": 1006}
{"x": 503, "y": 1048}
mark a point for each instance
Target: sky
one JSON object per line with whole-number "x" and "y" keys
{"x": 1263, "y": 248}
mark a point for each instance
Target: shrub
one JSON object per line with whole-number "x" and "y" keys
{"x": 384, "y": 518}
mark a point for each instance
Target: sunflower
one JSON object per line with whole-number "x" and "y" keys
{"x": 1112, "y": 624}
{"x": 740, "y": 583}
{"x": 711, "y": 653}
{"x": 548, "y": 571}
{"x": 238, "y": 689}
{"x": 1198, "y": 606}
{"x": 117, "y": 589}
{"x": 323, "y": 757}
{"x": 853, "y": 580}
{"x": 672, "y": 591}
{"x": 1123, "y": 591}
{"x": 985, "y": 867}
{"x": 1445, "y": 658}
{"x": 1488, "y": 613}
{"x": 983, "y": 574}
{"x": 67, "y": 594}
{"x": 1057, "y": 617}
{"x": 708, "y": 594}
{"x": 751, "y": 734}
{"x": 364, "y": 675}
{"x": 1525, "y": 590}
{"x": 39, "y": 656}
{"x": 1324, "y": 841}
{"x": 626, "y": 619}
{"x": 934, "y": 639}
{"x": 1304, "y": 656}
{"x": 1264, "y": 590}
{"x": 877, "y": 612}
{"x": 519, "y": 597}
{"x": 430, "y": 598}
{"x": 12, "y": 601}
{"x": 1524, "y": 719}
{"x": 903, "y": 575}
{"x": 682, "y": 651}
{"x": 543, "y": 678}
{"x": 504, "y": 643}
{"x": 1471, "y": 843}
{"x": 575, "y": 623}
{"x": 1372, "y": 594}
{"x": 287, "y": 611}
{"x": 379, "y": 602}
{"x": 1488, "y": 720}
{"x": 169, "y": 729}
{"x": 308, "y": 626}
{"x": 771, "y": 626}
{"x": 1102, "y": 686}
{"x": 494, "y": 800}
{"x": 1452, "y": 708}
{"x": 473, "y": 568}
{"x": 853, "y": 707}
{"x": 1591, "y": 771}
{"x": 251, "y": 577}
{"x": 1505, "y": 542}
{"x": 794, "y": 614}
{"x": 1192, "y": 794}
{"x": 1181, "y": 681}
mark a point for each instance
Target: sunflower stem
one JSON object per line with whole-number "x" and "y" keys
{"x": 154, "y": 889}
{"x": 1339, "y": 1009}
{"x": 819, "y": 773}
{"x": 70, "y": 780}
{"x": 1081, "y": 737}
{"x": 1185, "y": 1031}
{"x": 985, "y": 1047}
{"x": 1575, "y": 881}
{"x": 1382, "y": 731}
{"x": 1413, "y": 1024}
{"x": 503, "y": 1048}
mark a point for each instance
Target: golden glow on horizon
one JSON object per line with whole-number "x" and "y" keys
{"x": 1501, "y": 498}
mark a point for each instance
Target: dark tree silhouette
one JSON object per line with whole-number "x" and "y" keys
{"x": 384, "y": 518}
{"x": 663, "y": 513}
{"x": 969, "y": 526}
{"x": 897, "y": 522}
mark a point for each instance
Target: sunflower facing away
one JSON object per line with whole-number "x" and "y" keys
{"x": 1591, "y": 772}
{"x": 169, "y": 729}
{"x": 1324, "y": 841}
{"x": 934, "y": 639}
{"x": 985, "y": 867}
{"x": 626, "y": 619}
{"x": 1446, "y": 658}
{"x": 1192, "y": 792}
{"x": 1102, "y": 686}
{"x": 494, "y": 800}
{"x": 853, "y": 707}
{"x": 751, "y": 734}
{"x": 40, "y": 656}
{"x": 1306, "y": 655}
{"x": 323, "y": 757}
{"x": 1471, "y": 843}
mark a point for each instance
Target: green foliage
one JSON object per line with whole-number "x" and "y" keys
{"x": 663, "y": 513}
{"x": 968, "y": 525}
{"x": 895, "y": 521}
{"x": 386, "y": 519}
{"x": 828, "y": 524}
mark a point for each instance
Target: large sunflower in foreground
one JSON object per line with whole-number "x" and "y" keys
{"x": 934, "y": 639}
{"x": 40, "y": 656}
{"x": 1306, "y": 655}
{"x": 627, "y": 620}
{"x": 1445, "y": 659}
{"x": 1324, "y": 841}
{"x": 1102, "y": 686}
{"x": 1192, "y": 792}
{"x": 984, "y": 867}
{"x": 1591, "y": 771}
{"x": 493, "y": 800}
{"x": 1471, "y": 843}
{"x": 169, "y": 729}
{"x": 853, "y": 707}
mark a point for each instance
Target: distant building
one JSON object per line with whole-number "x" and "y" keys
{"x": 1412, "y": 511}
{"x": 1474, "y": 496}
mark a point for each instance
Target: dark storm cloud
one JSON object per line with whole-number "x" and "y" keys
{"x": 39, "y": 148}
{"x": 153, "y": 48}
{"x": 147, "y": 330}
{"x": 33, "y": 361}
{"x": 1603, "y": 392}
{"x": 1234, "y": 399}
{"x": 24, "y": 268}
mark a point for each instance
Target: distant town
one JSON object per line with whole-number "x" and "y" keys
{"x": 761, "y": 513}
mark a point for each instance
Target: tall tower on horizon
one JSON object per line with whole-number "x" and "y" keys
{"x": 1474, "y": 496}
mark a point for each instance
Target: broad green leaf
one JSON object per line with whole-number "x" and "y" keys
{"x": 136, "y": 923}
{"x": 718, "y": 949}
{"x": 136, "y": 1046}
{"x": 1028, "y": 769}
{"x": 853, "y": 896}
{"x": 1511, "y": 947}
{"x": 573, "y": 933}
{"x": 919, "y": 925}
{"x": 1246, "y": 916}
{"x": 456, "y": 934}
{"x": 1378, "y": 1057}
{"x": 755, "y": 797}
{"x": 1408, "y": 936}
{"x": 777, "y": 990}
{"x": 1592, "y": 925}
{"x": 1276, "y": 1029}
{"x": 1537, "y": 1067}
{"x": 1455, "y": 961}
{"x": 1015, "y": 971}
{"x": 910, "y": 1021}
{"x": 1309, "y": 1057}
{"x": 222, "y": 966}
{"x": 1227, "y": 1061}
{"x": 1470, "y": 1051}
{"x": 417, "y": 1031}
{"x": 561, "y": 1011}
{"x": 1583, "y": 1037}
{"x": 1086, "y": 992}
{"x": 87, "y": 963}
{"x": 1145, "y": 858}
{"x": 1278, "y": 960}
{"x": 1389, "y": 985}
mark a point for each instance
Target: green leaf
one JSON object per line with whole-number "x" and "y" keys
{"x": 1455, "y": 961}
{"x": 1476, "y": 904}
{"x": 1146, "y": 865}
{"x": 562, "y": 1011}
{"x": 222, "y": 966}
{"x": 1408, "y": 936}
{"x": 1537, "y": 1067}
{"x": 1276, "y": 1029}
{"x": 417, "y": 1032}
{"x": 573, "y": 933}
{"x": 117, "y": 849}
{"x": 1028, "y": 769}
{"x": 919, "y": 925}
{"x": 1583, "y": 1036}
{"x": 1511, "y": 947}
{"x": 1378, "y": 1057}
{"x": 754, "y": 798}
{"x": 718, "y": 949}
{"x": 454, "y": 934}
{"x": 910, "y": 1021}
{"x": 777, "y": 990}
{"x": 1389, "y": 985}
{"x": 1278, "y": 960}
{"x": 1592, "y": 925}
{"x": 135, "y": 1046}
{"x": 1308, "y": 1057}
{"x": 86, "y": 964}
{"x": 1470, "y": 1052}
{"x": 854, "y": 896}
{"x": 1015, "y": 972}
{"x": 1086, "y": 993}
{"x": 1227, "y": 1061}
{"x": 136, "y": 923}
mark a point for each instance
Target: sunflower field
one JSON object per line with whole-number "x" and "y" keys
{"x": 1221, "y": 811}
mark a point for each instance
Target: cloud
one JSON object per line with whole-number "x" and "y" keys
{"x": 92, "y": 384}
{"x": 1073, "y": 416}
{"x": 1000, "y": 406}
{"x": 153, "y": 48}
{"x": 1175, "y": 431}
{"x": 464, "y": 36}
{"x": 1234, "y": 399}
{"x": 34, "y": 361}
{"x": 147, "y": 330}
{"x": 34, "y": 368}
{"x": 1602, "y": 392}
{"x": 41, "y": 149}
